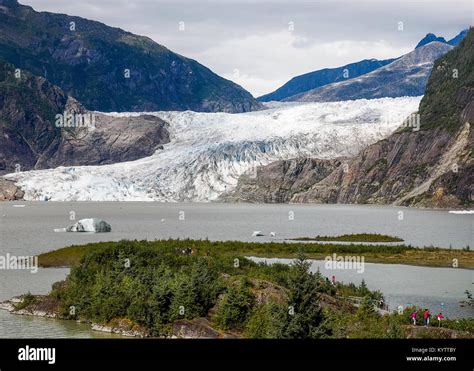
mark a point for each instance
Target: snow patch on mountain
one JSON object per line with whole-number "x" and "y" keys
{"x": 209, "y": 151}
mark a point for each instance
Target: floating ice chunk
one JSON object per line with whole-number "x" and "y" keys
{"x": 90, "y": 225}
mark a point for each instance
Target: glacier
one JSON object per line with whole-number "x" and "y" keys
{"x": 209, "y": 151}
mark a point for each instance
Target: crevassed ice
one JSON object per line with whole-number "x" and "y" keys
{"x": 209, "y": 151}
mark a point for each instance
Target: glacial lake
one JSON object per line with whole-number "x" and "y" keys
{"x": 29, "y": 230}
{"x": 438, "y": 289}
{"x": 14, "y": 283}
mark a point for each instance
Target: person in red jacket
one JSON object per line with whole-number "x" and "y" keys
{"x": 439, "y": 316}
{"x": 413, "y": 317}
{"x": 426, "y": 317}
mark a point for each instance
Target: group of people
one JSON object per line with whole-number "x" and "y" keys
{"x": 426, "y": 317}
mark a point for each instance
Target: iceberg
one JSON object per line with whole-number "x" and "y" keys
{"x": 90, "y": 225}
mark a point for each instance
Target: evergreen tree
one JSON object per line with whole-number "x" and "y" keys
{"x": 304, "y": 314}
{"x": 235, "y": 306}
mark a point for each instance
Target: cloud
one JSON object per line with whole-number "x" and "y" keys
{"x": 262, "y": 58}
{"x": 254, "y": 36}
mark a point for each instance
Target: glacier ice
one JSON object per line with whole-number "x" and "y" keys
{"x": 209, "y": 151}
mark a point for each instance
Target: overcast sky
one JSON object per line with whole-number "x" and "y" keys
{"x": 262, "y": 44}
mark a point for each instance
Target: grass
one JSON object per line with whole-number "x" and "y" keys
{"x": 398, "y": 254}
{"x": 358, "y": 237}
{"x": 27, "y": 301}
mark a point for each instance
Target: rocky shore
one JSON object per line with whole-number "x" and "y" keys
{"x": 47, "y": 307}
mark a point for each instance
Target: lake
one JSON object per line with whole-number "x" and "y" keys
{"x": 29, "y": 230}
{"x": 14, "y": 283}
{"x": 438, "y": 289}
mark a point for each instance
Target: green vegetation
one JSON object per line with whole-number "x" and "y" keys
{"x": 154, "y": 287}
{"x": 366, "y": 323}
{"x": 396, "y": 254}
{"x": 151, "y": 285}
{"x": 449, "y": 88}
{"x": 357, "y": 237}
{"x": 159, "y": 79}
{"x": 27, "y": 300}
{"x": 380, "y": 163}
{"x": 235, "y": 307}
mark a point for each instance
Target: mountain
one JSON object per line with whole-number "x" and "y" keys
{"x": 108, "y": 69}
{"x": 429, "y": 167}
{"x": 315, "y": 79}
{"x": 407, "y": 76}
{"x": 430, "y": 38}
{"x": 456, "y": 40}
{"x": 31, "y": 137}
{"x": 312, "y": 80}
{"x": 208, "y": 152}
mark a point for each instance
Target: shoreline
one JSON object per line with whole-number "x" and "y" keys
{"x": 220, "y": 202}
{"x": 9, "y": 306}
{"x": 379, "y": 254}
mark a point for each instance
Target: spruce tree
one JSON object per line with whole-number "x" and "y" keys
{"x": 304, "y": 314}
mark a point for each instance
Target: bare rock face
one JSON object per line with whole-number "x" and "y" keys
{"x": 110, "y": 140}
{"x": 280, "y": 180}
{"x": 42, "y": 127}
{"x": 429, "y": 167}
{"x": 196, "y": 328}
{"x": 432, "y": 167}
{"x": 9, "y": 191}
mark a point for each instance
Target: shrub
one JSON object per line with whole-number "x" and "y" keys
{"x": 233, "y": 310}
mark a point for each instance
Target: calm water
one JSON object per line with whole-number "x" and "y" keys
{"x": 29, "y": 230}
{"x": 14, "y": 283}
{"x": 438, "y": 289}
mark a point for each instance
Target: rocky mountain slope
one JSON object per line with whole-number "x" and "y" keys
{"x": 456, "y": 40}
{"x": 31, "y": 137}
{"x": 432, "y": 167}
{"x": 430, "y": 37}
{"x": 108, "y": 69}
{"x": 315, "y": 79}
{"x": 312, "y": 80}
{"x": 407, "y": 76}
{"x": 279, "y": 181}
